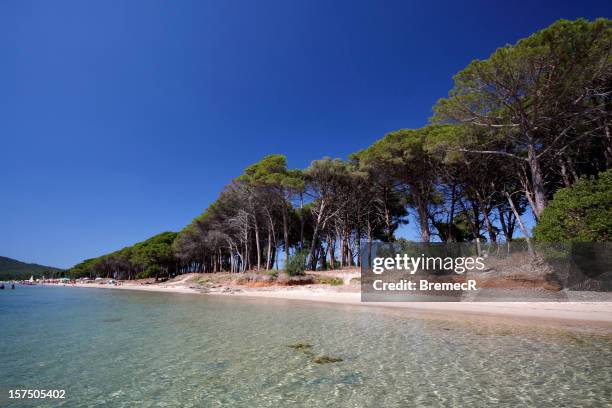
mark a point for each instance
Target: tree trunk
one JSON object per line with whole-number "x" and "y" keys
{"x": 423, "y": 218}
{"x": 572, "y": 169}
{"x": 271, "y": 240}
{"x": 369, "y": 260}
{"x": 331, "y": 248}
{"x": 451, "y": 214}
{"x": 564, "y": 173}
{"x": 276, "y": 256}
{"x": 286, "y": 234}
{"x": 473, "y": 223}
{"x": 520, "y": 222}
{"x": 358, "y": 239}
{"x": 537, "y": 180}
{"x": 388, "y": 224}
{"x": 257, "y": 246}
{"x": 608, "y": 143}
{"x": 322, "y": 257}
{"x": 301, "y": 220}
{"x": 315, "y": 234}
{"x": 489, "y": 224}
{"x": 269, "y": 251}
{"x": 342, "y": 256}
{"x": 504, "y": 225}
{"x": 524, "y": 179}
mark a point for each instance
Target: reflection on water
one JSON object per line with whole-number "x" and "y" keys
{"x": 119, "y": 348}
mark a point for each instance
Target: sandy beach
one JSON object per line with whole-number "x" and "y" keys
{"x": 579, "y": 315}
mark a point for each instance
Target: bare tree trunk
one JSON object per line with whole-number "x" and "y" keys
{"x": 315, "y": 234}
{"x": 505, "y": 226}
{"x": 276, "y": 256}
{"x": 369, "y": 243}
{"x": 358, "y": 241}
{"x": 572, "y": 169}
{"x": 342, "y": 256}
{"x": 608, "y": 143}
{"x": 564, "y": 173}
{"x": 423, "y": 218}
{"x": 537, "y": 180}
{"x": 473, "y": 223}
{"x": 388, "y": 224}
{"x": 451, "y": 214}
{"x": 489, "y": 224}
{"x": 286, "y": 234}
{"x": 322, "y": 257}
{"x": 520, "y": 222}
{"x": 271, "y": 239}
{"x": 528, "y": 192}
{"x": 301, "y": 220}
{"x": 257, "y": 247}
{"x": 269, "y": 251}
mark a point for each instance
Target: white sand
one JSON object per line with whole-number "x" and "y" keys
{"x": 584, "y": 314}
{"x": 595, "y": 312}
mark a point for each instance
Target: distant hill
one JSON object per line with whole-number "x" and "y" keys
{"x": 12, "y": 269}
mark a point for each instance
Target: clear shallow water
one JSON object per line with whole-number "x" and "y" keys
{"x": 122, "y": 349}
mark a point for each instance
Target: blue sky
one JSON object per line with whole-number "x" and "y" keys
{"x": 122, "y": 119}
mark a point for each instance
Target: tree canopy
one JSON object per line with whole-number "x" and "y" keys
{"x": 522, "y": 133}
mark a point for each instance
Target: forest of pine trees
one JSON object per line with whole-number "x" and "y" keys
{"x": 517, "y": 127}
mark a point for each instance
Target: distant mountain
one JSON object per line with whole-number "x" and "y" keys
{"x": 12, "y": 269}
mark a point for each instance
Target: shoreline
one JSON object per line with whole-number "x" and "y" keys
{"x": 573, "y": 315}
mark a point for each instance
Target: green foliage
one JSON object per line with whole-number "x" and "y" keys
{"x": 458, "y": 229}
{"x": 569, "y": 53}
{"x": 83, "y": 269}
{"x": 581, "y": 213}
{"x": 272, "y": 171}
{"x": 333, "y": 281}
{"x": 297, "y": 263}
{"x": 200, "y": 280}
{"x": 142, "y": 275}
{"x": 150, "y": 258}
{"x": 273, "y": 273}
{"x": 11, "y": 269}
{"x": 151, "y": 272}
{"x": 402, "y": 156}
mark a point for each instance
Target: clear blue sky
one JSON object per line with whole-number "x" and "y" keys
{"x": 122, "y": 119}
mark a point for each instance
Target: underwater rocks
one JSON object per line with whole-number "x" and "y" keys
{"x": 307, "y": 349}
{"x": 326, "y": 359}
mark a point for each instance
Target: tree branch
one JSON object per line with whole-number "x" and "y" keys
{"x": 492, "y": 152}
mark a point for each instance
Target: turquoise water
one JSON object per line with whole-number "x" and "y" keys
{"x": 111, "y": 348}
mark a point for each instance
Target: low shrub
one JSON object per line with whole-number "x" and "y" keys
{"x": 297, "y": 263}
{"x": 581, "y": 213}
{"x": 200, "y": 280}
{"x": 333, "y": 281}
